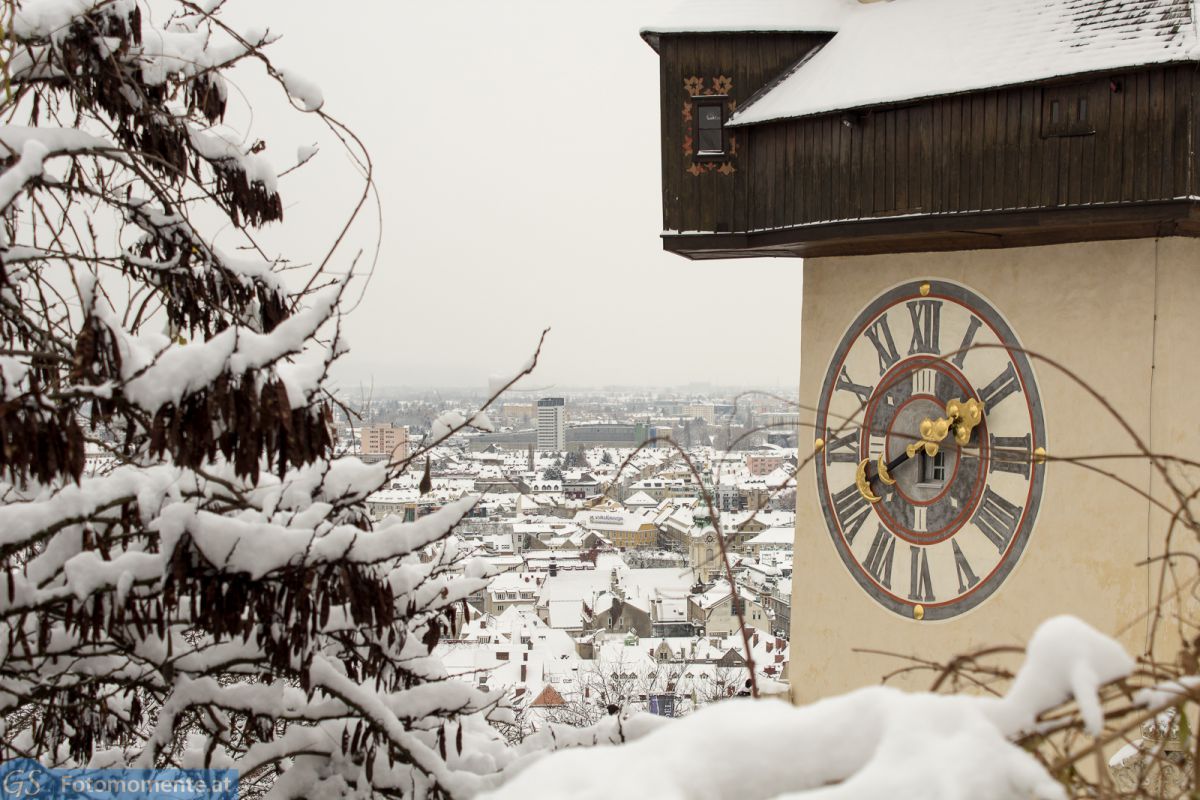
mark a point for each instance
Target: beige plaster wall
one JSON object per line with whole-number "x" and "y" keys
{"x": 1091, "y": 307}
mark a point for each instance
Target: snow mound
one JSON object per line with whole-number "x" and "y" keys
{"x": 874, "y": 742}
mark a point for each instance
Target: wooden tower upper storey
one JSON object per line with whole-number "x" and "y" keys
{"x": 841, "y": 127}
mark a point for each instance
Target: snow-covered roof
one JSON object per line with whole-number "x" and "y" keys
{"x": 910, "y": 49}
{"x": 565, "y": 614}
{"x": 641, "y": 499}
{"x": 782, "y": 536}
{"x": 732, "y": 16}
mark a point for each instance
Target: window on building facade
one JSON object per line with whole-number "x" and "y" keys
{"x": 1066, "y": 111}
{"x": 709, "y": 131}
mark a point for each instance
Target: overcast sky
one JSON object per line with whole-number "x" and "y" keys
{"x": 517, "y": 158}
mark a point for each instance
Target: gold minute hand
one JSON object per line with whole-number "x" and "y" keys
{"x": 962, "y": 417}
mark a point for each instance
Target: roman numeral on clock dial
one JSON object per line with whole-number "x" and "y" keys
{"x": 845, "y": 384}
{"x": 968, "y": 339}
{"x": 926, "y": 318}
{"x": 841, "y": 449}
{"x": 924, "y": 381}
{"x": 966, "y": 578}
{"x": 997, "y": 518}
{"x": 852, "y": 510}
{"x": 880, "y": 556}
{"x": 1011, "y": 454}
{"x": 881, "y": 336}
{"x": 920, "y": 519}
{"x": 1004, "y": 384}
{"x": 921, "y": 587}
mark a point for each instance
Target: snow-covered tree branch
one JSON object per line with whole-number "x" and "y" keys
{"x": 189, "y": 578}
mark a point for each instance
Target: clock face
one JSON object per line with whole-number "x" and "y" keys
{"x": 946, "y": 534}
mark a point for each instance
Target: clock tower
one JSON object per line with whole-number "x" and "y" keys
{"x": 997, "y": 212}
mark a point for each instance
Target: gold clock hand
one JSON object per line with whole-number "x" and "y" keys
{"x": 962, "y": 416}
{"x": 883, "y": 472}
{"x": 864, "y": 483}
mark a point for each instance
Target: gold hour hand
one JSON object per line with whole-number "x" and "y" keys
{"x": 864, "y": 483}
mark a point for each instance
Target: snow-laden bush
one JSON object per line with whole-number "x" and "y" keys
{"x": 188, "y": 577}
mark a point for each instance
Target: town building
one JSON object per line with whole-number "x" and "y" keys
{"x": 623, "y": 529}
{"x": 385, "y": 442}
{"x": 551, "y": 424}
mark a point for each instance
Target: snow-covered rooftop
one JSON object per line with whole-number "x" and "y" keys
{"x": 909, "y": 49}
{"x": 732, "y": 16}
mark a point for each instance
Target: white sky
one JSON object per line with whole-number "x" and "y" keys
{"x": 517, "y": 157}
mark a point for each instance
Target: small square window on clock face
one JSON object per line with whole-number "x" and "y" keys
{"x": 933, "y": 470}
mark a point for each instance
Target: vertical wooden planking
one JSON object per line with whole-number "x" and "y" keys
{"x": 1154, "y": 130}
{"x": 840, "y": 169}
{"x": 1104, "y": 167}
{"x": 1168, "y": 133}
{"x": 837, "y": 185}
{"x": 887, "y": 200}
{"x": 1179, "y": 131}
{"x": 1140, "y": 137}
{"x": 1075, "y": 167}
{"x": 1012, "y": 155}
{"x": 865, "y": 189}
{"x": 1127, "y": 137}
{"x": 937, "y": 162}
{"x": 804, "y": 170}
{"x": 855, "y": 177}
{"x": 813, "y": 143}
{"x": 1049, "y": 148}
{"x": 767, "y": 190}
{"x": 960, "y": 132}
{"x": 779, "y": 215}
{"x": 1193, "y": 129}
{"x": 900, "y": 156}
{"x": 790, "y": 214}
{"x": 1087, "y": 155}
{"x": 666, "y": 133}
{"x": 683, "y": 197}
{"x": 987, "y": 151}
{"x": 924, "y": 156}
{"x": 1025, "y": 143}
{"x": 1115, "y": 152}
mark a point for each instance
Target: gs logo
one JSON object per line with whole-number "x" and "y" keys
{"x": 23, "y": 779}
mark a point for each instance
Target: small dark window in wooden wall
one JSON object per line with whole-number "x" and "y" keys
{"x": 709, "y": 133}
{"x": 1066, "y": 112}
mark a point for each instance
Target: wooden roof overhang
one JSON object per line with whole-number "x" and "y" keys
{"x": 958, "y": 231}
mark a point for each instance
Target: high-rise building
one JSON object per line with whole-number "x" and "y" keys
{"x": 385, "y": 440}
{"x": 551, "y": 424}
